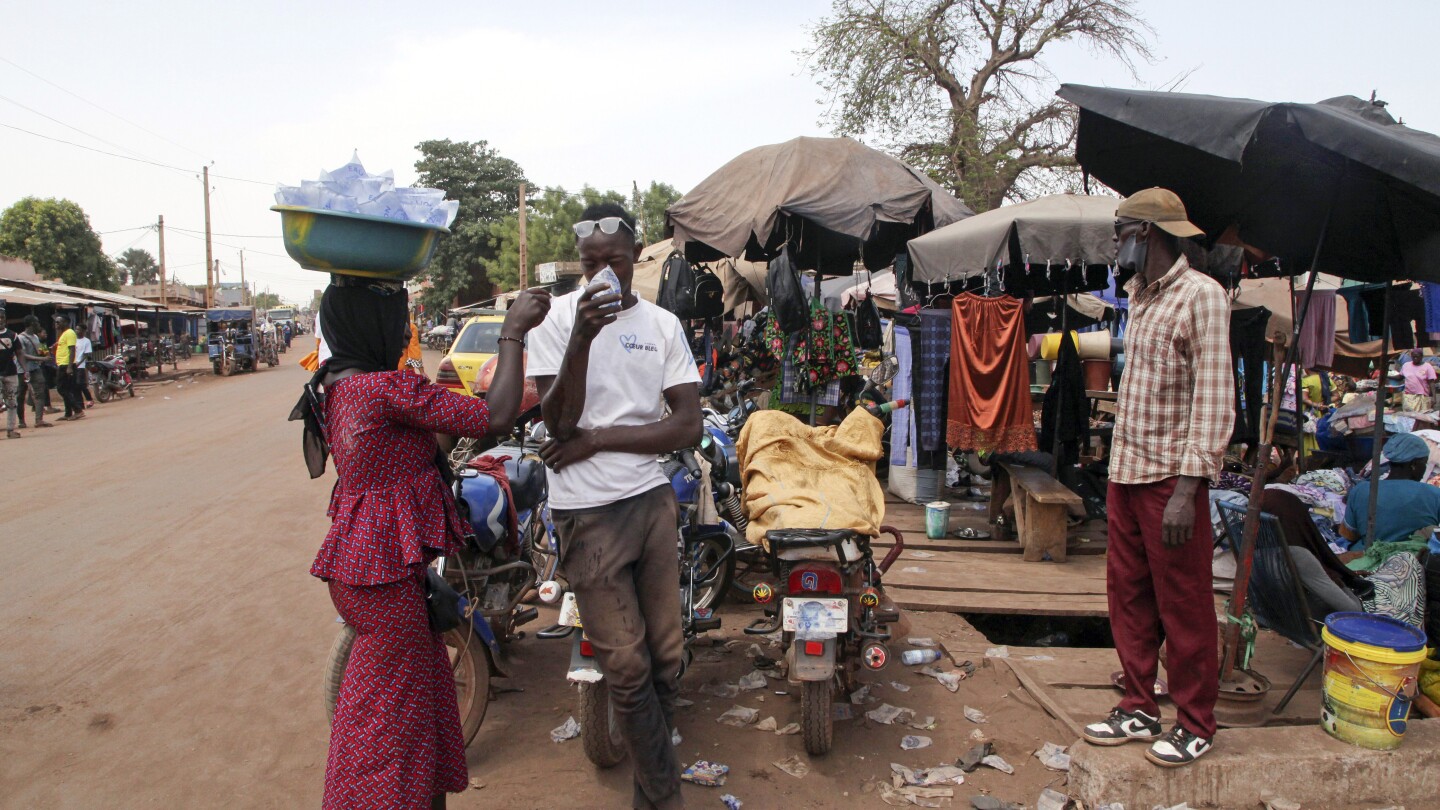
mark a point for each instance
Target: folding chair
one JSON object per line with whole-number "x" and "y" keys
{"x": 1276, "y": 592}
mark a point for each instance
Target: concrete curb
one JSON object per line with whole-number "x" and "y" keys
{"x": 1299, "y": 763}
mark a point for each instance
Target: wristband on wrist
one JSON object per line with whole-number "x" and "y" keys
{"x": 521, "y": 341}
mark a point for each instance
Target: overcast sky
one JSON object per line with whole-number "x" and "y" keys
{"x": 598, "y": 93}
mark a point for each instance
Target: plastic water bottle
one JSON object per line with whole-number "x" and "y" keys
{"x": 914, "y": 658}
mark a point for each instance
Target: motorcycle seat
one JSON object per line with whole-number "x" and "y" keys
{"x": 795, "y": 545}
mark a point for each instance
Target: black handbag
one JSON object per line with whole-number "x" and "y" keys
{"x": 867, "y": 324}
{"x": 787, "y": 297}
{"x": 442, "y": 603}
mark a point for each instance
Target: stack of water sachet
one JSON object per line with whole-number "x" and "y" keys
{"x": 349, "y": 189}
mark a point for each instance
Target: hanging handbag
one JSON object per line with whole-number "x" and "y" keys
{"x": 867, "y": 324}
{"x": 787, "y": 297}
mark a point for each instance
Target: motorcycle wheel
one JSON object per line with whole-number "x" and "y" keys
{"x": 599, "y": 732}
{"x": 102, "y": 393}
{"x": 707, "y": 551}
{"x": 467, "y": 660}
{"x": 131, "y": 389}
{"x": 817, "y": 718}
{"x": 540, "y": 547}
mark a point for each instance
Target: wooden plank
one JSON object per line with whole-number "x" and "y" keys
{"x": 992, "y": 574}
{"x": 1042, "y": 529}
{"x": 1016, "y": 604}
{"x": 1041, "y": 485}
{"x": 917, "y": 541}
{"x": 1042, "y": 696}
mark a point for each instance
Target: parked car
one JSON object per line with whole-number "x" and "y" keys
{"x": 478, "y": 341}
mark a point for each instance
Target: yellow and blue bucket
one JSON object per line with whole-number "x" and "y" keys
{"x": 1372, "y": 665}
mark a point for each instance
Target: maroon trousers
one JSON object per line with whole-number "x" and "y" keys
{"x": 1154, "y": 588}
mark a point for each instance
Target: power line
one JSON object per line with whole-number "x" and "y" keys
{"x": 120, "y": 230}
{"x": 191, "y": 172}
{"x": 231, "y": 235}
{"x": 68, "y": 126}
{"x": 98, "y": 107}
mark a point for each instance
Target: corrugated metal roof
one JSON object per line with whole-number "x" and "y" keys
{"x": 15, "y": 295}
{"x": 98, "y": 296}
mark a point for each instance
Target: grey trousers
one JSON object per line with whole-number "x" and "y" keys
{"x": 37, "y": 393}
{"x": 622, "y": 563}
{"x": 1321, "y": 589}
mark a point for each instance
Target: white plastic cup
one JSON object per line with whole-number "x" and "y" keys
{"x": 937, "y": 519}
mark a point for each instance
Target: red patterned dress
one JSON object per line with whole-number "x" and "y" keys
{"x": 395, "y": 741}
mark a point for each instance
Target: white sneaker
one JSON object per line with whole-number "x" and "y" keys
{"x": 1179, "y": 747}
{"x": 1121, "y": 727}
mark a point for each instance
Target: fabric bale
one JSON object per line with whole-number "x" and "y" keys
{"x": 799, "y": 477}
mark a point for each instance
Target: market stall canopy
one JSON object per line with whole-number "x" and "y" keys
{"x": 104, "y": 297}
{"x": 1274, "y": 295}
{"x": 245, "y": 314}
{"x": 826, "y": 197}
{"x": 837, "y": 293}
{"x": 1057, "y": 228}
{"x": 744, "y": 281}
{"x": 36, "y": 298}
{"x": 1279, "y": 172}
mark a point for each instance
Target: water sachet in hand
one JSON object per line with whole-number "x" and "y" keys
{"x": 611, "y": 281}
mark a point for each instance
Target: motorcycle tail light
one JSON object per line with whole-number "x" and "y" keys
{"x": 586, "y": 649}
{"x": 815, "y": 578}
{"x": 814, "y": 648}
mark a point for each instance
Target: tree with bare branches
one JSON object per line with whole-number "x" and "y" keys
{"x": 958, "y": 87}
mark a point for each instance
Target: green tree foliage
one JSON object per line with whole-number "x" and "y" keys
{"x": 488, "y": 189}
{"x": 55, "y": 236}
{"x": 549, "y": 238}
{"x": 958, "y": 87}
{"x": 137, "y": 266}
{"x": 266, "y": 300}
{"x": 651, "y": 210}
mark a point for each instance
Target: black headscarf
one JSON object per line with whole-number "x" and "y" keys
{"x": 363, "y": 324}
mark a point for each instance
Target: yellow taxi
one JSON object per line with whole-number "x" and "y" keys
{"x": 478, "y": 341}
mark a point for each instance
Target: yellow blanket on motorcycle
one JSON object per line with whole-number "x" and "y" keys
{"x": 798, "y": 477}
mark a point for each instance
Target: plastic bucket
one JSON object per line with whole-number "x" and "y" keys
{"x": 937, "y": 519}
{"x": 1371, "y": 669}
{"x": 1097, "y": 374}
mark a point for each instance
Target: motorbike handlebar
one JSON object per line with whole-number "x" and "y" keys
{"x": 692, "y": 464}
{"x": 895, "y": 550}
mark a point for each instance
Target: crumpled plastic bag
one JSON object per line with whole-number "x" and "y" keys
{"x": 739, "y": 716}
{"x": 568, "y": 730}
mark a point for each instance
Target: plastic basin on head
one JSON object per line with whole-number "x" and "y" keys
{"x": 357, "y": 244}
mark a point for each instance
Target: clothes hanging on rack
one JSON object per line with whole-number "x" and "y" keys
{"x": 902, "y": 423}
{"x": 815, "y": 358}
{"x": 989, "y": 387}
{"x": 1065, "y": 412}
{"x": 1363, "y": 309}
{"x": 1430, "y": 291}
{"x": 1247, "y": 355}
{"x": 929, "y": 382}
{"x": 1406, "y": 318}
{"x": 1317, "y": 334}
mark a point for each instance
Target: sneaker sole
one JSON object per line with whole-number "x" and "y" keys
{"x": 1113, "y": 741}
{"x": 1168, "y": 764}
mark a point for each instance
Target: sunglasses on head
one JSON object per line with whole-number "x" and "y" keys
{"x": 608, "y": 226}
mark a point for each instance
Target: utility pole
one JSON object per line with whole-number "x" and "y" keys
{"x": 160, "y": 227}
{"x": 244, "y": 291}
{"x": 524, "y": 248}
{"x": 210, "y": 269}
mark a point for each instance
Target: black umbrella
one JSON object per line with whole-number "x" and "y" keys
{"x": 1337, "y": 186}
{"x": 1277, "y": 172}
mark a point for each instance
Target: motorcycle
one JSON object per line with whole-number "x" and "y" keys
{"x": 109, "y": 377}
{"x": 493, "y": 574}
{"x": 832, "y": 613}
{"x": 704, "y": 550}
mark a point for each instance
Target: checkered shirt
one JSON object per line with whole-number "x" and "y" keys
{"x": 1176, "y": 407}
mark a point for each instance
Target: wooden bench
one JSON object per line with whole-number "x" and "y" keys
{"x": 1042, "y": 509}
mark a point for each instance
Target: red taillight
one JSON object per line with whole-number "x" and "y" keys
{"x": 586, "y": 650}
{"x": 445, "y": 376}
{"x": 814, "y": 648}
{"x": 815, "y": 578}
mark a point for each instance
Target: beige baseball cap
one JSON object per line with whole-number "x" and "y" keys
{"x": 1160, "y": 206}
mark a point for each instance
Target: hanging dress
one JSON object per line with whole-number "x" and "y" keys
{"x": 989, "y": 402}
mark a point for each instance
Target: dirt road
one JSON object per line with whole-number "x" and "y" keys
{"x": 161, "y": 642}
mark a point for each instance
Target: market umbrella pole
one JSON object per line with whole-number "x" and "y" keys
{"x": 1378, "y": 434}
{"x": 1236, "y": 606}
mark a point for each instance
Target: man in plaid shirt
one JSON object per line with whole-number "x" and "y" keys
{"x": 1175, "y": 414}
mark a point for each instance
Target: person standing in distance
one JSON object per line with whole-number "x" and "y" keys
{"x": 618, "y": 385}
{"x": 1176, "y": 409}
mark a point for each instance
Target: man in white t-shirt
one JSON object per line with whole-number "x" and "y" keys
{"x": 618, "y": 385}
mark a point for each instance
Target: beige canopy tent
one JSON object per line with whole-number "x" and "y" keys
{"x": 744, "y": 281}
{"x": 1058, "y": 228}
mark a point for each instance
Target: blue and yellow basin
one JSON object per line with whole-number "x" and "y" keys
{"x": 357, "y": 244}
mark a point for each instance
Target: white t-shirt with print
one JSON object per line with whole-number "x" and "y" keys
{"x": 632, "y": 362}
